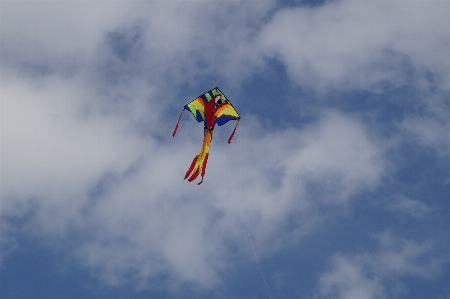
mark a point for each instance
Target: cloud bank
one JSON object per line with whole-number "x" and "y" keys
{"x": 87, "y": 93}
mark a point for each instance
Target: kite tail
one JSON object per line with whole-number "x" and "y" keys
{"x": 234, "y": 131}
{"x": 176, "y": 127}
{"x": 199, "y": 162}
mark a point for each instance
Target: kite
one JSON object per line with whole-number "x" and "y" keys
{"x": 212, "y": 108}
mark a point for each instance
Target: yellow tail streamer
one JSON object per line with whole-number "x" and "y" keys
{"x": 199, "y": 162}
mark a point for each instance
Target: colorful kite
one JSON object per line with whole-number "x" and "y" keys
{"x": 212, "y": 108}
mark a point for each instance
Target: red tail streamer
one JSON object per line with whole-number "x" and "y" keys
{"x": 204, "y": 168}
{"x": 188, "y": 173}
{"x": 234, "y": 131}
{"x": 176, "y": 127}
{"x": 194, "y": 175}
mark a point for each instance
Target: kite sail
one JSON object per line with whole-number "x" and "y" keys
{"x": 212, "y": 108}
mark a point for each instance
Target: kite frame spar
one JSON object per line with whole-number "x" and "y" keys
{"x": 211, "y": 113}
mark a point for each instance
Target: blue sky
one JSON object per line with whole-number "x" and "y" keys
{"x": 337, "y": 178}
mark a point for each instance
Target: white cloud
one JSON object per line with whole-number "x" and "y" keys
{"x": 179, "y": 41}
{"x": 399, "y": 256}
{"x": 51, "y": 150}
{"x": 379, "y": 274}
{"x": 410, "y": 207}
{"x": 361, "y": 44}
{"x": 347, "y": 45}
{"x": 340, "y": 149}
{"x": 54, "y": 30}
{"x": 431, "y": 128}
{"x": 347, "y": 280}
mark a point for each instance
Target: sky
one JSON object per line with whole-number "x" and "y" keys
{"x": 336, "y": 184}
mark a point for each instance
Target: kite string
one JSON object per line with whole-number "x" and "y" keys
{"x": 256, "y": 257}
